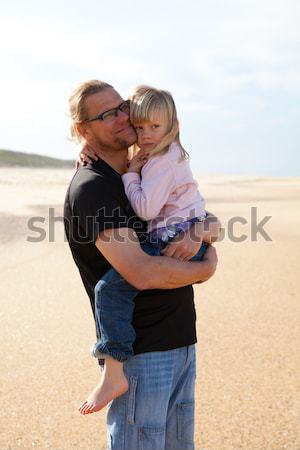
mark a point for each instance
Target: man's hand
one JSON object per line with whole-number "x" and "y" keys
{"x": 211, "y": 257}
{"x": 86, "y": 155}
{"x": 184, "y": 246}
{"x": 138, "y": 161}
{"x": 212, "y": 228}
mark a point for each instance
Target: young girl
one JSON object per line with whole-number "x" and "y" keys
{"x": 162, "y": 191}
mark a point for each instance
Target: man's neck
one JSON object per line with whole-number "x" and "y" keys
{"x": 117, "y": 160}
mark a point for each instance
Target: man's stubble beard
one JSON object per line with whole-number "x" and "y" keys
{"x": 127, "y": 142}
{"x": 118, "y": 144}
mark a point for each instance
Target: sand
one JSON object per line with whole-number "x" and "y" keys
{"x": 248, "y": 384}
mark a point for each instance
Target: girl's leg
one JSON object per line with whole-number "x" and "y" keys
{"x": 113, "y": 312}
{"x": 114, "y": 305}
{"x": 200, "y": 253}
{"x": 113, "y": 384}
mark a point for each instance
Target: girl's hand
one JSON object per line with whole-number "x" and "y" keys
{"x": 183, "y": 247}
{"x": 138, "y": 161}
{"x": 86, "y": 155}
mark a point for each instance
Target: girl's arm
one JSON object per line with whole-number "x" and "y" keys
{"x": 149, "y": 193}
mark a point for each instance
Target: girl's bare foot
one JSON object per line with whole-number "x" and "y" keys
{"x": 112, "y": 385}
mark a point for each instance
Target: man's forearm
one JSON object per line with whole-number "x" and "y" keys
{"x": 170, "y": 273}
{"x": 143, "y": 271}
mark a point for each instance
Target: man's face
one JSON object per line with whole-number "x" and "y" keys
{"x": 112, "y": 134}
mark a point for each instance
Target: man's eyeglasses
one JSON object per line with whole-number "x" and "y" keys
{"x": 112, "y": 113}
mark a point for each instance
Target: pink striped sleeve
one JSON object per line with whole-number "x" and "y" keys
{"x": 149, "y": 193}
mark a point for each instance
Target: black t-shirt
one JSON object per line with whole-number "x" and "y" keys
{"x": 95, "y": 201}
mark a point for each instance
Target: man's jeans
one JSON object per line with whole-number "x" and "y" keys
{"x": 157, "y": 412}
{"x": 114, "y": 307}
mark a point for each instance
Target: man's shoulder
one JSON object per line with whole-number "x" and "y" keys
{"x": 88, "y": 182}
{"x": 87, "y": 175}
{"x": 92, "y": 190}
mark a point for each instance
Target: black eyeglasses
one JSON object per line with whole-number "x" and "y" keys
{"x": 112, "y": 113}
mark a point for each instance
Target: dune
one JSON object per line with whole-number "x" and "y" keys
{"x": 9, "y": 158}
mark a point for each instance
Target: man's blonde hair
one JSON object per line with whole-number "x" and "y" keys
{"x": 77, "y": 105}
{"x": 148, "y": 103}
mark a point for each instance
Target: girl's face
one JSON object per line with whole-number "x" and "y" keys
{"x": 150, "y": 133}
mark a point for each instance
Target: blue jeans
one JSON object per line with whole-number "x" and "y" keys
{"x": 157, "y": 412}
{"x": 114, "y": 307}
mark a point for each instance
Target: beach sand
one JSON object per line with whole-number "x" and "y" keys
{"x": 248, "y": 317}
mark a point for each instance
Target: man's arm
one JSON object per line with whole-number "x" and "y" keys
{"x": 122, "y": 249}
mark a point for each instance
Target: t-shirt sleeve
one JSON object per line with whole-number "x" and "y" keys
{"x": 99, "y": 211}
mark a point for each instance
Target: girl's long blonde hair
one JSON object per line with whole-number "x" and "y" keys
{"x": 148, "y": 103}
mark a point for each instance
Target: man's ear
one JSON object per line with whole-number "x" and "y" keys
{"x": 82, "y": 130}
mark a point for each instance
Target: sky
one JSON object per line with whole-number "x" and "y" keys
{"x": 233, "y": 67}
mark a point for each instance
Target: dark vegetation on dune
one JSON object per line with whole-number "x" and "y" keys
{"x": 10, "y": 158}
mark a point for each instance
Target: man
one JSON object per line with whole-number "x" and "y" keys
{"x": 157, "y": 412}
